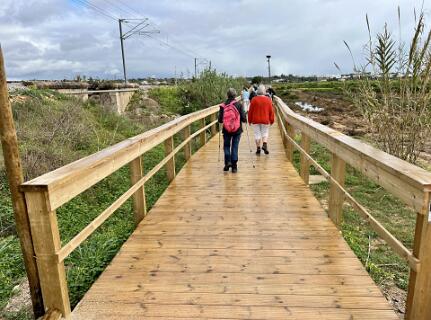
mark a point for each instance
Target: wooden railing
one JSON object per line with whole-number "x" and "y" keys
{"x": 407, "y": 182}
{"x": 50, "y": 191}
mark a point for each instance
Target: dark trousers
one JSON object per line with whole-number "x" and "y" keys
{"x": 230, "y": 146}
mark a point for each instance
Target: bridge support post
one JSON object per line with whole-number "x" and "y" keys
{"x": 46, "y": 236}
{"x": 289, "y": 144}
{"x": 213, "y": 127}
{"x": 418, "y": 306}
{"x": 188, "y": 146}
{"x": 203, "y": 134}
{"x": 336, "y": 196}
{"x": 139, "y": 202}
{"x": 304, "y": 163}
{"x": 170, "y": 165}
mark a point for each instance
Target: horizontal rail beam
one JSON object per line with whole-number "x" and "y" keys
{"x": 67, "y": 249}
{"x": 69, "y": 181}
{"x": 403, "y": 179}
{"x": 393, "y": 242}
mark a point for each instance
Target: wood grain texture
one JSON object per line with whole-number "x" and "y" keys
{"x": 139, "y": 202}
{"x": 405, "y": 180}
{"x": 255, "y": 245}
{"x": 336, "y": 196}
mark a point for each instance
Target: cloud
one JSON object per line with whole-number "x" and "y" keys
{"x": 61, "y": 38}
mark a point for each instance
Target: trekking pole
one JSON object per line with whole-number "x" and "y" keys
{"x": 219, "y": 138}
{"x": 249, "y": 145}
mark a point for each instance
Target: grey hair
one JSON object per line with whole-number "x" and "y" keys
{"x": 261, "y": 90}
{"x": 231, "y": 93}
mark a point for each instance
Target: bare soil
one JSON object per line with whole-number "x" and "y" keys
{"x": 338, "y": 113}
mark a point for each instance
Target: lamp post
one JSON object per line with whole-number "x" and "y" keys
{"x": 268, "y": 58}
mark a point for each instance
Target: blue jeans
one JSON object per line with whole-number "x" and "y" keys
{"x": 230, "y": 145}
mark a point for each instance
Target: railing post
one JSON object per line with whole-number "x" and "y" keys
{"x": 139, "y": 203}
{"x": 46, "y": 237}
{"x": 203, "y": 134}
{"x": 289, "y": 145}
{"x": 170, "y": 165}
{"x": 213, "y": 127}
{"x": 336, "y": 196}
{"x": 304, "y": 163}
{"x": 188, "y": 146}
{"x": 418, "y": 306}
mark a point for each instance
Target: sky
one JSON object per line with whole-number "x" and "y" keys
{"x": 60, "y": 39}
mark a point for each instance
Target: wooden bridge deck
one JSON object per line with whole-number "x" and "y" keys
{"x": 255, "y": 245}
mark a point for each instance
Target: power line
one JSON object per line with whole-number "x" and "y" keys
{"x": 124, "y": 11}
{"x": 95, "y": 8}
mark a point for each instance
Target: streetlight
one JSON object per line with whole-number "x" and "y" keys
{"x": 268, "y": 57}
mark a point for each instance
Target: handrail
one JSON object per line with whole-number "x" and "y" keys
{"x": 67, "y": 182}
{"x": 393, "y": 242}
{"x": 403, "y": 179}
{"x": 49, "y": 191}
{"x": 406, "y": 181}
{"x": 67, "y": 249}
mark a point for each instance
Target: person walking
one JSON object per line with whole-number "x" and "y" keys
{"x": 231, "y": 115}
{"x": 261, "y": 116}
{"x": 253, "y": 94}
{"x": 245, "y": 99}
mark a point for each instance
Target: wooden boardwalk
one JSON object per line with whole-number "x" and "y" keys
{"x": 251, "y": 245}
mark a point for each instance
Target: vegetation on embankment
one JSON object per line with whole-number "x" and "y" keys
{"x": 54, "y": 130}
{"x": 189, "y": 96}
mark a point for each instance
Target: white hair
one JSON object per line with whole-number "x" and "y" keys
{"x": 261, "y": 90}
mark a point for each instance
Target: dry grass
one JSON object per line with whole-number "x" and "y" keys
{"x": 398, "y": 111}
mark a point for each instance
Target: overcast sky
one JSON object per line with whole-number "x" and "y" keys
{"x": 57, "y": 39}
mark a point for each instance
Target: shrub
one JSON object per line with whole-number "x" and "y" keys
{"x": 398, "y": 111}
{"x": 207, "y": 90}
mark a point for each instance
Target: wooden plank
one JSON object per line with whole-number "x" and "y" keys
{"x": 304, "y": 163}
{"x": 203, "y": 135}
{"x": 46, "y": 237}
{"x": 12, "y": 164}
{"x": 193, "y": 311}
{"x": 139, "y": 202}
{"x": 52, "y": 315}
{"x": 213, "y": 118}
{"x": 170, "y": 165}
{"x": 289, "y": 145}
{"x": 212, "y": 248}
{"x": 404, "y": 180}
{"x": 188, "y": 146}
{"x": 419, "y": 296}
{"x": 67, "y": 182}
{"x": 336, "y": 196}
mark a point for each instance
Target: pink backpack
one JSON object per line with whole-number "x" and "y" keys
{"x": 231, "y": 117}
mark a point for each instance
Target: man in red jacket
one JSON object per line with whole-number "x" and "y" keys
{"x": 261, "y": 116}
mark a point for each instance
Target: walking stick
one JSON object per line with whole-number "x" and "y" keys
{"x": 219, "y": 138}
{"x": 249, "y": 145}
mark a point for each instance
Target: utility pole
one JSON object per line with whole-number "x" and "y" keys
{"x": 268, "y": 57}
{"x": 196, "y": 68}
{"x": 122, "y": 50}
{"x": 210, "y": 65}
{"x": 137, "y": 29}
{"x": 13, "y": 166}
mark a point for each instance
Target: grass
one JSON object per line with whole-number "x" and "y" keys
{"x": 384, "y": 265}
{"x": 85, "y": 129}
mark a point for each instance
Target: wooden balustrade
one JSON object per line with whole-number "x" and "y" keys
{"x": 48, "y": 192}
{"x": 407, "y": 182}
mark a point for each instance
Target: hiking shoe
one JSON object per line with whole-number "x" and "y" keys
{"x": 227, "y": 166}
{"x": 258, "y": 151}
{"x": 265, "y": 148}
